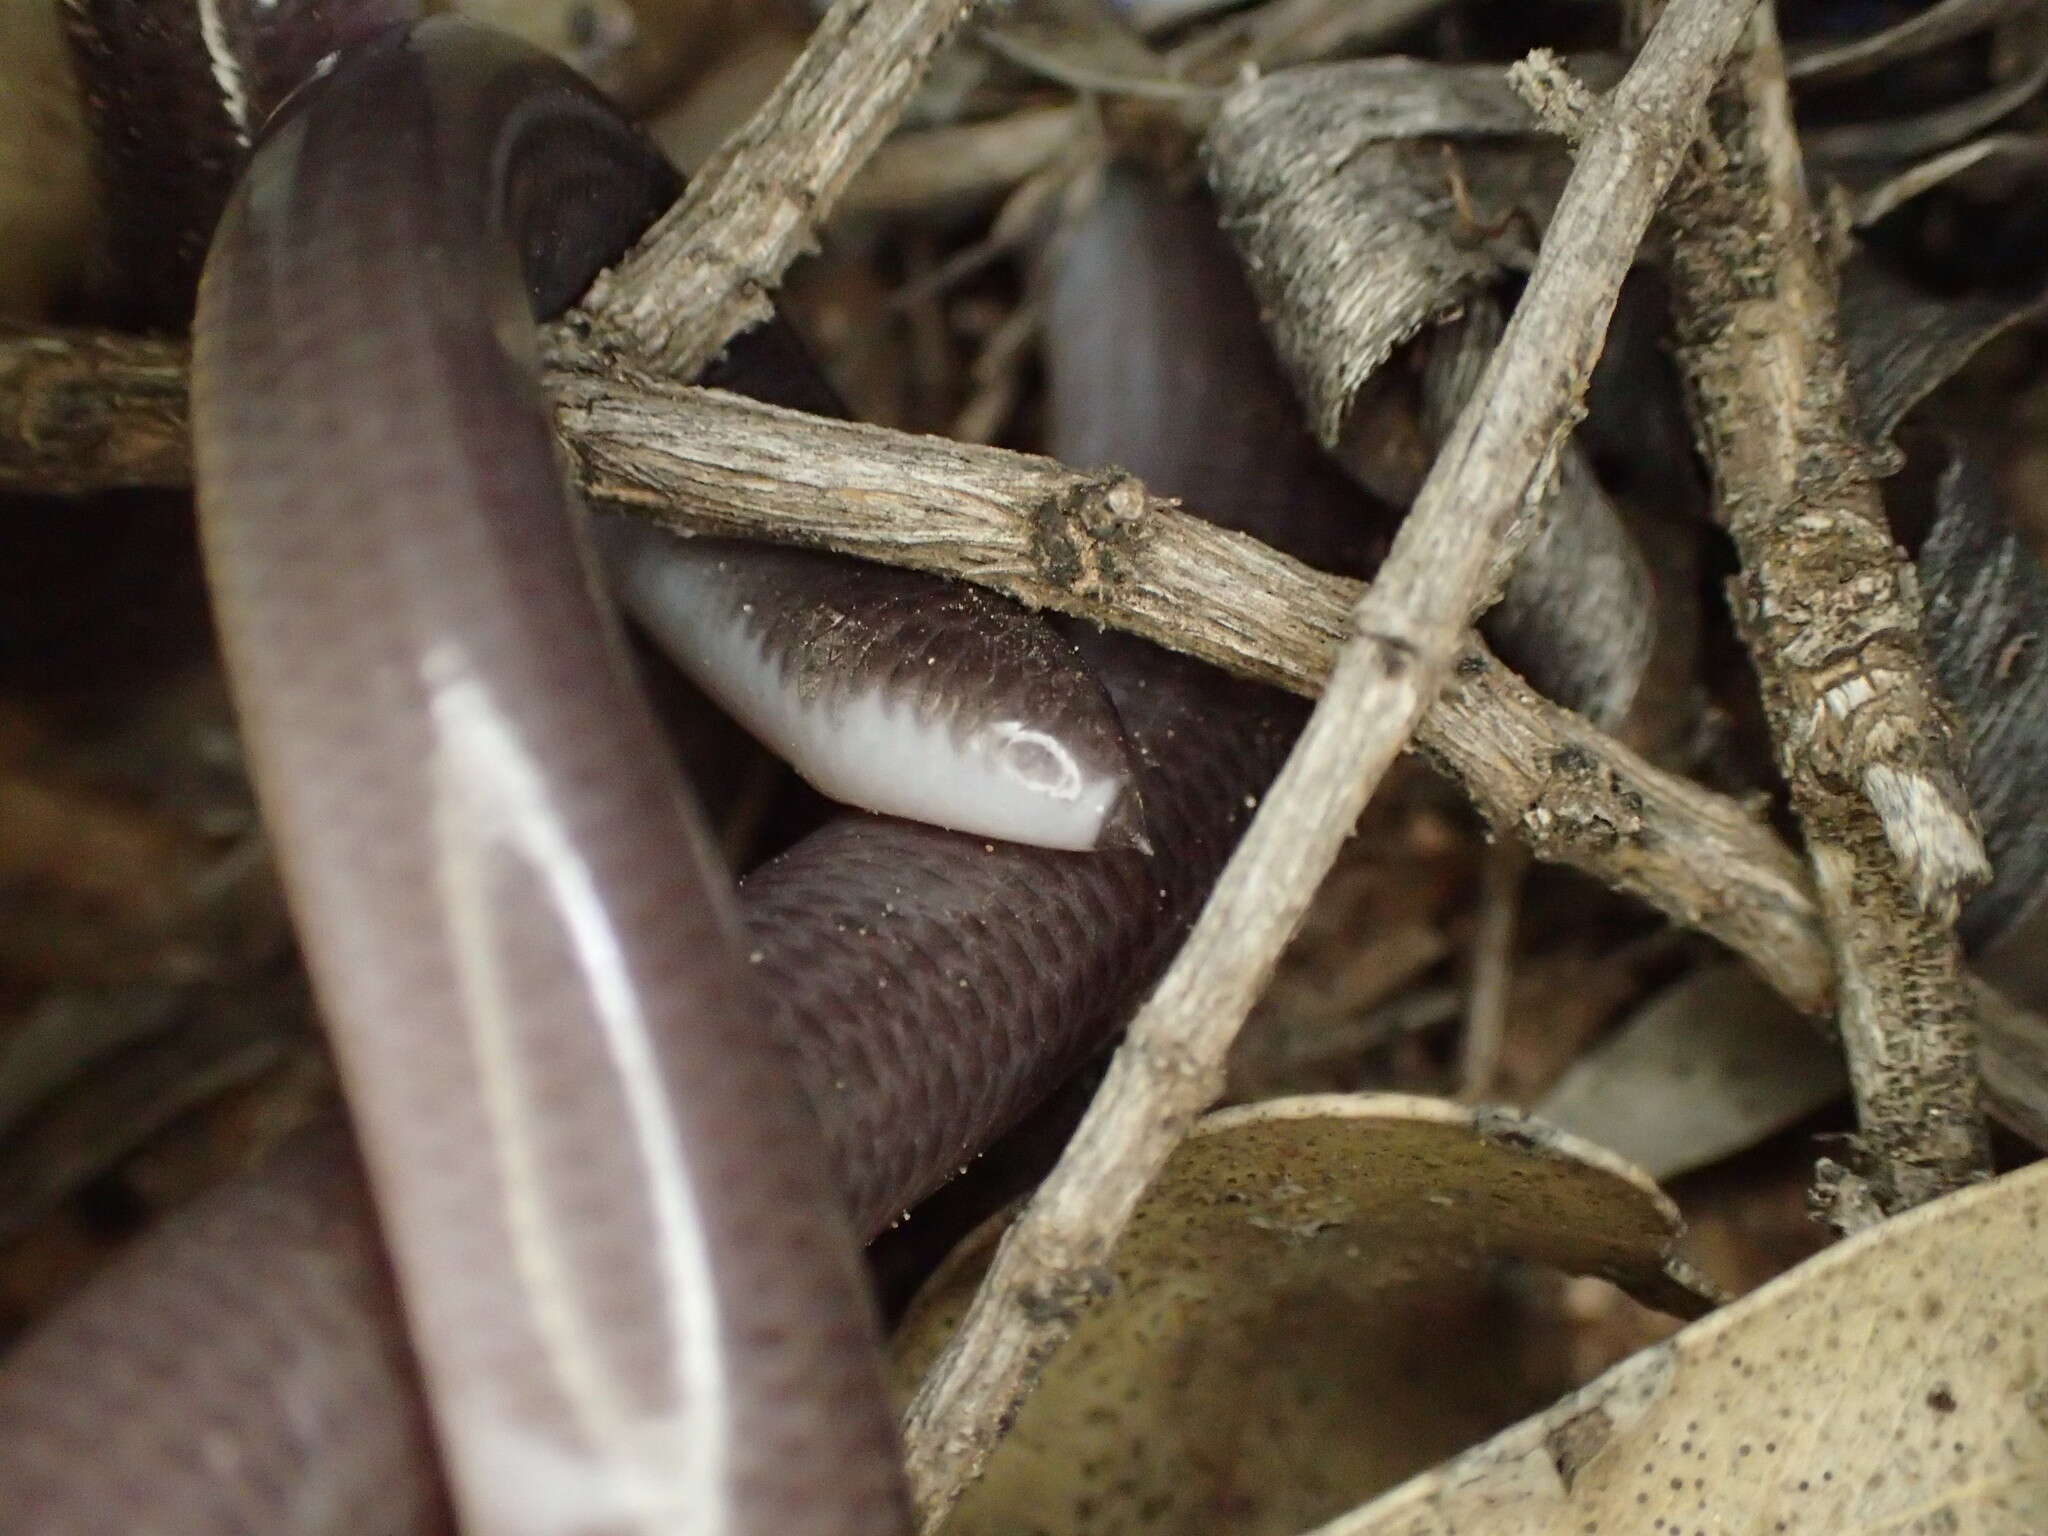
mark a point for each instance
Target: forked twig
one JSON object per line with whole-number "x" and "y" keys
{"x": 1404, "y": 635}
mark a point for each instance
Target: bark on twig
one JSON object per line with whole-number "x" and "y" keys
{"x": 1828, "y": 609}
{"x": 91, "y": 410}
{"x": 1404, "y": 634}
{"x": 706, "y": 271}
{"x": 1101, "y": 549}
{"x": 1579, "y": 797}
{"x": 702, "y": 461}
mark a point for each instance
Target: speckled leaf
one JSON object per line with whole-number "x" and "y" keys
{"x": 1896, "y": 1384}
{"x": 1309, "y": 1305}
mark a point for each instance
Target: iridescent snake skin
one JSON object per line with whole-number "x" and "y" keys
{"x": 620, "y": 1288}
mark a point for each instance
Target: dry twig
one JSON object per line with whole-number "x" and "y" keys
{"x": 1921, "y": 32}
{"x": 1828, "y": 609}
{"x": 1404, "y": 634}
{"x": 706, "y": 271}
{"x": 1100, "y": 546}
{"x": 702, "y": 461}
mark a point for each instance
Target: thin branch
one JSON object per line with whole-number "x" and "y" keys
{"x": 1098, "y": 547}
{"x": 706, "y": 271}
{"x": 1828, "y": 608}
{"x": 1404, "y": 635}
{"x": 1092, "y": 545}
{"x": 1577, "y": 796}
{"x": 1921, "y": 32}
{"x": 91, "y": 410}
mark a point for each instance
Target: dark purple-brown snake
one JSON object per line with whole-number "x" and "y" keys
{"x": 610, "y": 1285}
{"x": 585, "y": 1260}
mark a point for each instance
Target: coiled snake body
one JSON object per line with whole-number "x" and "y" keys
{"x": 572, "y": 1060}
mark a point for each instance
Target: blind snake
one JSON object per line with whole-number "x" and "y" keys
{"x": 624, "y": 1296}
{"x": 636, "y": 1311}
{"x": 601, "y": 1194}
{"x": 630, "y": 1297}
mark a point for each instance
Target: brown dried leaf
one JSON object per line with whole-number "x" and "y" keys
{"x": 1306, "y": 1307}
{"x": 1897, "y": 1383}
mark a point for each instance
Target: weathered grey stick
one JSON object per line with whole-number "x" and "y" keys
{"x": 1827, "y": 606}
{"x": 1404, "y": 634}
{"x": 80, "y": 412}
{"x": 1100, "y": 548}
{"x": 706, "y": 271}
{"x": 87, "y": 411}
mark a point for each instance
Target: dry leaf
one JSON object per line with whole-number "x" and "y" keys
{"x": 1901, "y": 343}
{"x": 1896, "y": 1384}
{"x": 1308, "y": 1305}
{"x": 1355, "y": 226}
{"x": 1707, "y": 1067}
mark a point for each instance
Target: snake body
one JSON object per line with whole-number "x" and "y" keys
{"x": 619, "y": 1287}
{"x": 600, "y": 1189}
{"x": 245, "y": 1368}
